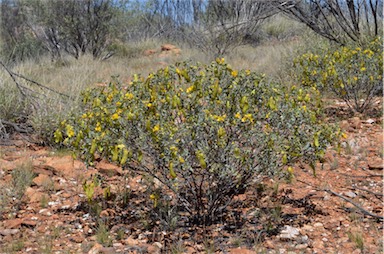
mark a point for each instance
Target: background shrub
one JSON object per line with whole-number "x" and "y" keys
{"x": 203, "y": 131}
{"x": 353, "y": 74}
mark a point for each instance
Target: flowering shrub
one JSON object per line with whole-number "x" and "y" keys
{"x": 352, "y": 74}
{"x": 203, "y": 131}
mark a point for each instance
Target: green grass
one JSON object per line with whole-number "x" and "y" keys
{"x": 22, "y": 177}
{"x": 357, "y": 238}
{"x": 103, "y": 235}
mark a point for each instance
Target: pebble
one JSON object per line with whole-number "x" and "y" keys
{"x": 350, "y": 194}
{"x": 289, "y": 233}
{"x": 301, "y": 246}
{"x": 9, "y": 231}
{"x": 318, "y": 224}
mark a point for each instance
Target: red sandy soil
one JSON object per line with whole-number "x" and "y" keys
{"x": 309, "y": 214}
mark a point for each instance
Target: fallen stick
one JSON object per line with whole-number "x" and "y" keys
{"x": 364, "y": 211}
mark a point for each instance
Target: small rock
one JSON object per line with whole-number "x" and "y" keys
{"x": 355, "y": 122}
{"x": 9, "y": 231}
{"x": 289, "y": 233}
{"x": 350, "y": 194}
{"x": 30, "y": 223}
{"x": 168, "y": 47}
{"x": 108, "y": 250}
{"x": 318, "y": 245}
{"x": 269, "y": 244}
{"x": 326, "y": 197}
{"x": 303, "y": 239}
{"x": 33, "y": 195}
{"x": 332, "y": 224}
{"x": 62, "y": 166}
{"x": 240, "y": 197}
{"x": 159, "y": 245}
{"x": 241, "y": 251}
{"x": 301, "y": 246}
{"x": 344, "y": 124}
{"x": 155, "y": 248}
{"x": 318, "y": 224}
{"x": 14, "y": 223}
{"x": 370, "y": 121}
{"x": 131, "y": 242}
{"x": 95, "y": 249}
{"x": 109, "y": 169}
{"x": 117, "y": 245}
{"x": 6, "y": 165}
{"x": 377, "y": 164}
{"x": 308, "y": 228}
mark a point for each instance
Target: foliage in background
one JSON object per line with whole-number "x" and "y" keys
{"x": 56, "y": 27}
{"x": 203, "y": 131}
{"x": 339, "y": 21}
{"x": 353, "y": 74}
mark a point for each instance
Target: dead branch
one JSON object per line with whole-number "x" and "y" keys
{"x": 40, "y": 85}
{"x": 363, "y": 210}
{"x": 21, "y": 88}
{"x": 16, "y": 127}
{"x": 369, "y": 191}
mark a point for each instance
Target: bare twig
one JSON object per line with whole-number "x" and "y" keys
{"x": 13, "y": 75}
{"x": 14, "y": 126}
{"x": 369, "y": 191}
{"x": 363, "y": 210}
{"x": 20, "y": 87}
{"x": 365, "y": 176}
{"x": 40, "y": 85}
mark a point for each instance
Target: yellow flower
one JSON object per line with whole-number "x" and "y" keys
{"x": 98, "y": 127}
{"x": 247, "y": 117}
{"x": 220, "y": 118}
{"x": 220, "y": 60}
{"x": 118, "y": 104}
{"x": 234, "y": 74}
{"x": 238, "y": 115}
{"x": 363, "y": 69}
{"x": 109, "y": 97}
{"x": 129, "y": 96}
{"x": 247, "y": 72}
{"x": 115, "y": 116}
{"x": 173, "y": 149}
{"x": 156, "y": 128}
{"x": 149, "y": 105}
{"x": 190, "y": 89}
{"x": 355, "y": 78}
{"x": 69, "y": 130}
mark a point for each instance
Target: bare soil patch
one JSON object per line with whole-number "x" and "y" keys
{"x": 338, "y": 210}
